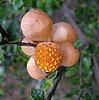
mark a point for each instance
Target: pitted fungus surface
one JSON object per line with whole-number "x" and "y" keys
{"x": 48, "y": 56}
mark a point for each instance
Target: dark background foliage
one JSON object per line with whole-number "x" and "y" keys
{"x": 80, "y": 82}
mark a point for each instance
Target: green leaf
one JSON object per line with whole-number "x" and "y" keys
{"x": 40, "y": 4}
{"x": 37, "y": 94}
{"x": 74, "y": 91}
{"x": 86, "y": 68}
{"x": 14, "y": 37}
{"x": 78, "y": 43}
{"x": 1, "y": 1}
{"x": 4, "y": 24}
{"x": 91, "y": 48}
{"x": 17, "y": 4}
{"x": 71, "y": 71}
{"x": 0, "y": 37}
{"x": 5, "y": 13}
{"x": 50, "y": 11}
{"x": 13, "y": 29}
{"x": 46, "y": 84}
{"x": 86, "y": 63}
{"x": 52, "y": 75}
{"x": 28, "y": 3}
{"x": 69, "y": 95}
{"x": 1, "y": 92}
{"x": 75, "y": 80}
{"x": 2, "y": 58}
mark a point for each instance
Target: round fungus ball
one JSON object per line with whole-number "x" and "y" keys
{"x": 48, "y": 56}
{"x": 34, "y": 71}
{"x": 36, "y": 25}
{"x": 63, "y": 32}
{"x": 69, "y": 53}
{"x": 28, "y": 50}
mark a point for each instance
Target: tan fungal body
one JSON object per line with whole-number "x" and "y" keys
{"x": 34, "y": 71}
{"x": 63, "y": 32}
{"x": 69, "y": 53}
{"x": 28, "y": 50}
{"x": 48, "y": 56}
{"x": 36, "y": 25}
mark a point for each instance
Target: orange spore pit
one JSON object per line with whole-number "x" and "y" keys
{"x": 48, "y": 56}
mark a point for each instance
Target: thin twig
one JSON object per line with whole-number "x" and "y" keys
{"x": 80, "y": 71}
{"x": 5, "y": 42}
{"x": 96, "y": 70}
{"x": 80, "y": 74}
{"x": 59, "y": 70}
{"x": 81, "y": 93}
{"x": 17, "y": 43}
{"x": 60, "y": 73}
{"x": 85, "y": 44}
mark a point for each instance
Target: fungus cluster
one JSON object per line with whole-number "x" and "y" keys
{"x": 54, "y": 44}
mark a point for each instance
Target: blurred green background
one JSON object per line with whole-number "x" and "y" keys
{"x": 16, "y": 84}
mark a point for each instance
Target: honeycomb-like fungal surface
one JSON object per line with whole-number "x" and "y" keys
{"x": 48, "y": 56}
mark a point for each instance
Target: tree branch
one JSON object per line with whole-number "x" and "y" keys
{"x": 96, "y": 70}
{"x": 81, "y": 93}
{"x": 59, "y": 75}
{"x": 4, "y": 42}
{"x": 18, "y": 43}
{"x": 84, "y": 45}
